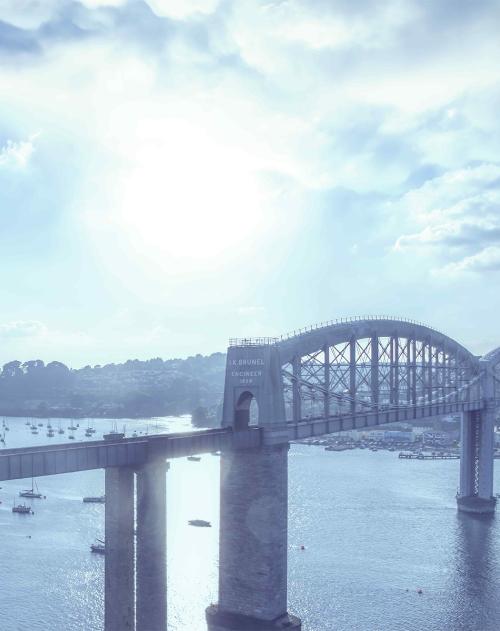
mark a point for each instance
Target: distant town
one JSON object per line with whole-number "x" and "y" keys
{"x": 438, "y": 438}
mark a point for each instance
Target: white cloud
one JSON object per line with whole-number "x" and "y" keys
{"x": 16, "y": 154}
{"x": 182, "y": 9}
{"x": 460, "y": 214}
{"x": 485, "y": 260}
{"x": 23, "y": 328}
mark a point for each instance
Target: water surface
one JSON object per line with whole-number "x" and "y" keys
{"x": 375, "y": 529}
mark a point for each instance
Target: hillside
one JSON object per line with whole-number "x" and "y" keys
{"x": 154, "y": 387}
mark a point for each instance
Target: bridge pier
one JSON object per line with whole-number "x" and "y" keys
{"x": 119, "y": 612}
{"x": 476, "y": 462}
{"x": 152, "y": 546}
{"x": 253, "y": 539}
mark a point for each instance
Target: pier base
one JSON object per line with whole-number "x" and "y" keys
{"x": 218, "y": 620}
{"x": 476, "y": 505}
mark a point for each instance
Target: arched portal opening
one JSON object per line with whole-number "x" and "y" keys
{"x": 246, "y": 412}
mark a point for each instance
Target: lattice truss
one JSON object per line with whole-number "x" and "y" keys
{"x": 376, "y": 373}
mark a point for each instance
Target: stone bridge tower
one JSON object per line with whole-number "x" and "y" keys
{"x": 254, "y": 498}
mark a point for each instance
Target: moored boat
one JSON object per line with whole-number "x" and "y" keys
{"x": 100, "y": 499}
{"x": 23, "y": 509}
{"x": 99, "y": 547}
{"x": 32, "y": 493}
{"x": 201, "y": 523}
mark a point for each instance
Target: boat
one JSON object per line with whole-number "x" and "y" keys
{"x": 60, "y": 430}
{"x": 34, "y": 431}
{"x": 88, "y": 433}
{"x": 50, "y": 433}
{"x": 22, "y": 509}
{"x": 49, "y": 425}
{"x": 194, "y": 458}
{"x": 72, "y": 427}
{"x": 99, "y": 547}
{"x": 32, "y": 493}
{"x": 71, "y": 437}
{"x": 27, "y": 423}
{"x": 100, "y": 499}
{"x": 40, "y": 424}
{"x": 201, "y": 523}
{"x": 114, "y": 433}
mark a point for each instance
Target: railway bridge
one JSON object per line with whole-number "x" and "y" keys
{"x": 349, "y": 374}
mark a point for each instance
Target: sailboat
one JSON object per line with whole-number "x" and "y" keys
{"x": 60, "y": 430}
{"x": 72, "y": 427}
{"x": 31, "y": 493}
{"x": 114, "y": 433}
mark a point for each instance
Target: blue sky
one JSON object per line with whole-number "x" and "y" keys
{"x": 176, "y": 172}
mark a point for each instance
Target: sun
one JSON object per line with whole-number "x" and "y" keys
{"x": 188, "y": 196}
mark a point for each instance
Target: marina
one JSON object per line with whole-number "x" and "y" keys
{"x": 426, "y": 456}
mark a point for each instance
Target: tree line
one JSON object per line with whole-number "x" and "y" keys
{"x": 135, "y": 388}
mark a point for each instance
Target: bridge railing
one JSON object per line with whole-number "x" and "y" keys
{"x": 350, "y": 320}
{"x": 253, "y": 341}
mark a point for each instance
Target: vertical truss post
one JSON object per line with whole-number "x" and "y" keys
{"x": 296, "y": 402}
{"x": 408, "y": 371}
{"x": 374, "y": 382}
{"x": 391, "y": 369}
{"x": 414, "y": 372}
{"x": 442, "y": 371}
{"x": 326, "y": 380}
{"x": 395, "y": 398}
{"x": 430, "y": 374}
{"x": 352, "y": 373}
{"x": 457, "y": 379}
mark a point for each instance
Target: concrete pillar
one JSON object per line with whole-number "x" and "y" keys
{"x": 119, "y": 559}
{"x": 486, "y": 454}
{"x": 152, "y": 546}
{"x": 466, "y": 456}
{"x": 253, "y": 539}
{"x": 476, "y": 463}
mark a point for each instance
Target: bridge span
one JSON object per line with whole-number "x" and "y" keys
{"x": 352, "y": 373}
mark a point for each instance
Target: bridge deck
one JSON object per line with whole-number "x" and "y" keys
{"x": 310, "y": 427}
{"x": 66, "y": 458}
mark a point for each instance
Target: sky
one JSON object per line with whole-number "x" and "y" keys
{"x": 177, "y": 172}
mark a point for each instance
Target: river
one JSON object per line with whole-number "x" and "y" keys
{"x": 375, "y": 530}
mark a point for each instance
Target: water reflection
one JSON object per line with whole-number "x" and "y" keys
{"x": 473, "y": 589}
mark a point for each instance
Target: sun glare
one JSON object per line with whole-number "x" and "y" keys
{"x": 188, "y": 196}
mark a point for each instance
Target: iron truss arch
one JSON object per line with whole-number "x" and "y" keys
{"x": 379, "y": 366}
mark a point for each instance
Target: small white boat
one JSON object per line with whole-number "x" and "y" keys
{"x": 201, "y": 523}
